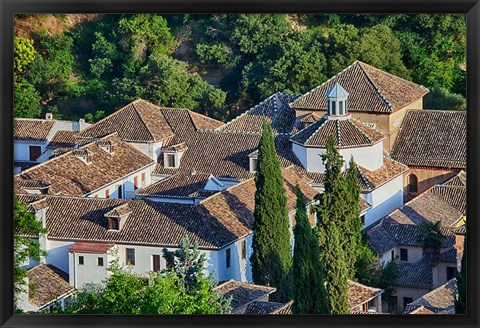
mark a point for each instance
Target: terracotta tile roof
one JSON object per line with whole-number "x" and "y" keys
{"x": 459, "y": 180}
{"x": 119, "y": 211}
{"x": 63, "y": 139}
{"x": 269, "y": 308}
{"x": 414, "y": 275}
{"x": 348, "y": 133}
{"x": 150, "y": 223}
{"x": 432, "y": 138}
{"x": 426, "y": 207}
{"x": 462, "y": 230}
{"x": 370, "y": 89}
{"x": 449, "y": 255}
{"x": 370, "y": 180}
{"x": 203, "y": 122}
{"x": 223, "y": 154}
{"x": 243, "y": 293}
{"x": 385, "y": 235}
{"x": 50, "y": 283}
{"x": 178, "y": 185}
{"x": 83, "y": 247}
{"x": 274, "y": 109}
{"x": 359, "y": 293}
{"x": 32, "y": 129}
{"x": 438, "y": 300}
{"x": 139, "y": 121}
{"x": 456, "y": 196}
{"x": 233, "y": 207}
{"x": 22, "y": 185}
{"x": 310, "y": 118}
{"x": 68, "y": 175}
{"x": 421, "y": 310}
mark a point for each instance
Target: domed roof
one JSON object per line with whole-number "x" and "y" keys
{"x": 348, "y": 133}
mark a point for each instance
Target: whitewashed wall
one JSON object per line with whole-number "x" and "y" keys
{"x": 89, "y": 272}
{"x": 152, "y": 150}
{"x": 21, "y": 149}
{"x": 384, "y": 200}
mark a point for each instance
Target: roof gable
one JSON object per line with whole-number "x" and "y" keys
{"x": 139, "y": 121}
{"x": 370, "y": 90}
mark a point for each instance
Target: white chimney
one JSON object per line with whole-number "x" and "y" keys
{"x": 49, "y": 116}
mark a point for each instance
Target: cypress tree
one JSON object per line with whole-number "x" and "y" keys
{"x": 352, "y": 230}
{"x": 461, "y": 299}
{"x": 271, "y": 258}
{"x": 310, "y": 295}
{"x": 331, "y": 214}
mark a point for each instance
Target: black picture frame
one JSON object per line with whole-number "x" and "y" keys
{"x": 8, "y": 8}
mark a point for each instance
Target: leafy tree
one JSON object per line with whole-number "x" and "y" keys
{"x": 188, "y": 263}
{"x": 440, "y": 98}
{"x": 24, "y": 53}
{"x": 183, "y": 289}
{"x": 461, "y": 299}
{"x": 26, "y": 100}
{"x": 26, "y": 245}
{"x": 271, "y": 259}
{"x": 310, "y": 296}
{"x": 431, "y": 239}
{"x": 372, "y": 45}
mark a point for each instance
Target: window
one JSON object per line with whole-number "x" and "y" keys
{"x": 135, "y": 183}
{"x": 254, "y": 165}
{"x": 393, "y": 254}
{"x": 100, "y": 261}
{"x": 113, "y": 224}
{"x": 362, "y": 218}
{"x": 156, "y": 263}
{"x": 144, "y": 181}
{"x": 393, "y": 304}
{"x": 228, "y": 257}
{"x": 119, "y": 191}
{"x": 35, "y": 152}
{"x": 412, "y": 183}
{"x": 130, "y": 256}
{"x": 80, "y": 260}
{"x": 451, "y": 272}
{"x": 334, "y": 112}
{"x": 170, "y": 160}
{"x": 107, "y": 194}
{"x": 407, "y": 300}
{"x": 340, "y": 107}
{"x": 403, "y": 254}
{"x": 244, "y": 249}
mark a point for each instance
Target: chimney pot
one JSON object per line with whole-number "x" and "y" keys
{"x": 49, "y": 116}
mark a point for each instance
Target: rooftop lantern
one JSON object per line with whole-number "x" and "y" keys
{"x": 337, "y": 102}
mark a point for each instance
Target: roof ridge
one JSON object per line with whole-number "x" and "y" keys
{"x": 321, "y": 85}
{"x": 314, "y": 132}
{"x": 220, "y": 128}
{"x": 379, "y": 93}
{"x": 137, "y": 110}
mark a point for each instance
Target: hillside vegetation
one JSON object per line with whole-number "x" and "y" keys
{"x": 220, "y": 65}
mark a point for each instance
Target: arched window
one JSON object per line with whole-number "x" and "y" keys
{"x": 412, "y": 183}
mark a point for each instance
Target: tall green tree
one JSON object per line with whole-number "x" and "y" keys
{"x": 431, "y": 239}
{"x": 461, "y": 299}
{"x": 26, "y": 245}
{"x": 331, "y": 213}
{"x": 310, "y": 295}
{"x": 271, "y": 259}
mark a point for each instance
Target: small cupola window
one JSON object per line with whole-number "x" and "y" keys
{"x": 172, "y": 155}
{"x": 337, "y": 101}
{"x": 116, "y": 218}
